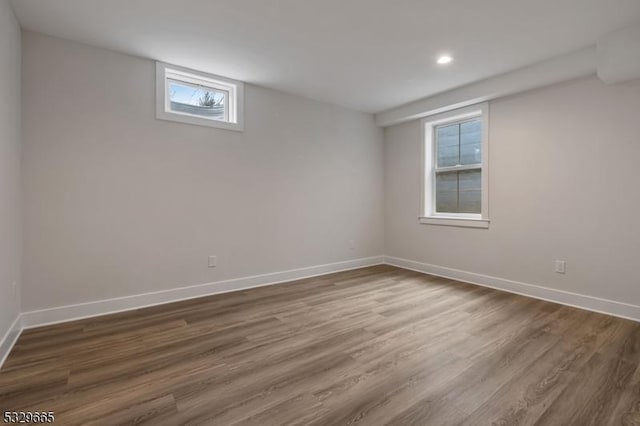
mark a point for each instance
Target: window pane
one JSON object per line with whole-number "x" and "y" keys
{"x": 470, "y": 191}
{"x": 200, "y": 101}
{"x": 471, "y": 142}
{"x": 447, "y": 192}
{"x": 459, "y": 192}
{"x": 448, "y": 140}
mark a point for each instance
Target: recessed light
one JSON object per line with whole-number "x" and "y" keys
{"x": 444, "y": 59}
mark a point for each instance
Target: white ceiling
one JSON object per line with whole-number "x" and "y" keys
{"x": 370, "y": 55}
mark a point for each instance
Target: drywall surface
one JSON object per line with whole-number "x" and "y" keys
{"x": 619, "y": 55}
{"x": 10, "y": 141}
{"x": 563, "y": 184}
{"x": 119, "y": 203}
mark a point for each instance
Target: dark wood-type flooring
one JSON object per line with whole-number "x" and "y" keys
{"x": 373, "y": 346}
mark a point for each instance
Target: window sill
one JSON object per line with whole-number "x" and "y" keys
{"x": 463, "y": 222}
{"x": 187, "y": 119}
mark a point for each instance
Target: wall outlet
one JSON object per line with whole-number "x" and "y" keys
{"x": 561, "y": 266}
{"x": 352, "y": 245}
{"x": 213, "y": 261}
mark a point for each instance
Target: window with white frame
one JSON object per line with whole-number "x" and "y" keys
{"x": 194, "y": 97}
{"x": 455, "y": 190}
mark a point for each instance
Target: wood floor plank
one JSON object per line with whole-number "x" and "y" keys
{"x": 372, "y": 346}
{"x": 591, "y": 398}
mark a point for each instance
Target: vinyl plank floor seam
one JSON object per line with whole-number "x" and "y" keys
{"x": 374, "y": 346}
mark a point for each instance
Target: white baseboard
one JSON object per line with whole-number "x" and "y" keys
{"x": 590, "y": 303}
{"x": 10, "y": 338}
{"x": 101, "y": 307}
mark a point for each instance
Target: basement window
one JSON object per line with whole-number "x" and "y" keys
{"x": 194, "y": 97}
{"x": 455, "y": 179}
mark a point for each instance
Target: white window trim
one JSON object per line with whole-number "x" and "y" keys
{"x": 427, "y": 213}
{"x": 233, "y": 88}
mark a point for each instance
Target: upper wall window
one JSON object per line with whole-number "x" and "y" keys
{"x": 455, "y": 190}
{"x": 194, "y": 97}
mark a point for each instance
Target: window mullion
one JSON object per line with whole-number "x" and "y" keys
{"x": 457, "y": 192}
{"x": 459, "y": 146}
{"x": 458, "y": 168}
{"x": 458, "y": 173}
{"x": 440, "y": 187}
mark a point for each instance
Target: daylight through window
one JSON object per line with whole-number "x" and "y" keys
{"x": 197, "y": 98}
{"x": 455, "y": 161}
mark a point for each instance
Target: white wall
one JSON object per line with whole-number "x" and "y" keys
{"x": 119, "y": 203}
{"x": 564, "y": 184}
{"x": 10, "y": 136}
